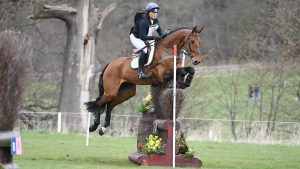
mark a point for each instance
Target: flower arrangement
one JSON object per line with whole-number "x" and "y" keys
{"x": 152, "y": 145}
{"x": 146, "y": 105}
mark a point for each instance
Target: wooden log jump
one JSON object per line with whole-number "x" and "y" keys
{"x": 161, "y": 124}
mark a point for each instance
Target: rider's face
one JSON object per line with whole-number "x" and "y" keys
{"x": 153, "y": 15}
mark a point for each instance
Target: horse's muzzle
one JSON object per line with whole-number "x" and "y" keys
{"x": 195, "y": 62}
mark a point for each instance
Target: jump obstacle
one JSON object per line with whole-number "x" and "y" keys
{"x": 160, "y": 122}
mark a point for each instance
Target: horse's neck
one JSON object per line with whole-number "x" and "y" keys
{"x": 176, "y": 38}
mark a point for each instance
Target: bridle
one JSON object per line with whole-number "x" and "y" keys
{"x": 190, "y": 51}
{"x": 181, "y": 48}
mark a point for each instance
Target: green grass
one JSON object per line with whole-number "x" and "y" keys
{"x": 55, "y": 151}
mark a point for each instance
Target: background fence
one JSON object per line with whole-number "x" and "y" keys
{"x": 194, "y": 128}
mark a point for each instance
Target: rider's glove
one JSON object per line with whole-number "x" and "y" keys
{"x": 157, "y": 38}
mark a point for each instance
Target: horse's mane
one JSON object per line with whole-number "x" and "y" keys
{"x": 175, "y": 30}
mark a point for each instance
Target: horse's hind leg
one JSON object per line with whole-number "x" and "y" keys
{"x": 100, "y": 106}
{"x": 96, "y": 123}
{"x": 126, "y": 91}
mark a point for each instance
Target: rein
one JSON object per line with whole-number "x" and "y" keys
{"x": 165, "y": 57}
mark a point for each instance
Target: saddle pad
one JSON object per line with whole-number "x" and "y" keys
{"x": 135, "y": 61}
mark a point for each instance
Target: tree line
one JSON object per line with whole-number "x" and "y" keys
{"x": 235, "y": 31}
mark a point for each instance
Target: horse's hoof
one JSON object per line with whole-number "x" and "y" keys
{"x": 92, "y": 128}
{"x": 102, "y": 130}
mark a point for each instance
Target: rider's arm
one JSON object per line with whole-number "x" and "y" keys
{"x": 159, "y": 30}
{"x": 143, "y": 31}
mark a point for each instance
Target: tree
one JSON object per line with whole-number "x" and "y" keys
{"x": 83, "y": 24}
{"x": 231, "y": 92}
{"x": 13, "y": 68}
{"x": 276, "y": 40}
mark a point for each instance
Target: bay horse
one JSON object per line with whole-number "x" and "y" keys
{"x": 118, "y": 80}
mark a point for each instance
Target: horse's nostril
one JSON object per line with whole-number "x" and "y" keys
{"x": 195, "y": 62}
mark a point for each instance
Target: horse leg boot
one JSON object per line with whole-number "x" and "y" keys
{"x": 103, "y": 129}
{"x": 143, "y": 58}
{"x": 190, "y": 76}
{"x": 97, "y": 114}
{"x": 180, "y": 78}
{"x": 96, "y": 123}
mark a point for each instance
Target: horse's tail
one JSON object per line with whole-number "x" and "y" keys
{"x": 92, "y": 106}
{"x": 100, "y": 84}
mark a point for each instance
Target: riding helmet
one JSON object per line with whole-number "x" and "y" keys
{"x": 152, "y": 6}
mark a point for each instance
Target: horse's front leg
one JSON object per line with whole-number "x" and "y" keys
{"x": 180, "y": 73}
{"x": 190, "y": 76}
{"x": 168, "y": 78}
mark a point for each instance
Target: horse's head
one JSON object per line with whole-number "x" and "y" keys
{"x": 191, "y": 45}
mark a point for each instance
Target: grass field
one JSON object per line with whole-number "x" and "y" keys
{"x": 55, "y": 151}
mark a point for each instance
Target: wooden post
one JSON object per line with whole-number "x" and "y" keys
{"x": 59, "y": 122}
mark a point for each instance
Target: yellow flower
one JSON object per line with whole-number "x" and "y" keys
{"x": 148, "y": 97}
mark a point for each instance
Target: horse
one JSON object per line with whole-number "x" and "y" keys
{"x": 117, "y": 82}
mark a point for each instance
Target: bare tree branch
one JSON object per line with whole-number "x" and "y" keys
{"x": 64, "y": 8}
{"x": 104, "y": 13}
{"x": 42, "y": 10}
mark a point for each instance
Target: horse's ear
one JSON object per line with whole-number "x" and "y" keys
{"x": 200, "y": 30}
{"x": 197, "y": 29}
{"x": 194, "y": 29}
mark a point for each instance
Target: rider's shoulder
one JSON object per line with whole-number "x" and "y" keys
{"x": 143, "y": 18}
{"x": 144, "y": 15}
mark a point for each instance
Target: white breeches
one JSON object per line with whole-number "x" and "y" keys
{"x": 137, "y": 43}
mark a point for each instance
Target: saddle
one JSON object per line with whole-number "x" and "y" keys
{"x": 135, "y": 59}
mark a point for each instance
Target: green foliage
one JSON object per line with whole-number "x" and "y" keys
{"x": 183, "y": 147}
{"x": 55, "y": 151}
{"x": 41, "y": 96}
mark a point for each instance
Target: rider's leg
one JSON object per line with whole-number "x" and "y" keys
{"x": 139, "y": 44}
{"x": 143, "y": 58}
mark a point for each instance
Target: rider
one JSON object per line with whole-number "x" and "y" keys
{"x": 144, "y": 31}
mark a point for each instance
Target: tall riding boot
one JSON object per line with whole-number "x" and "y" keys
{"x": 142, "y": 62}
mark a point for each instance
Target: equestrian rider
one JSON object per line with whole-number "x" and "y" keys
{"x": 142, "y": 32}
